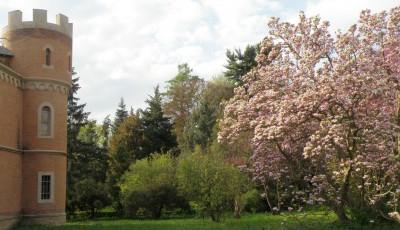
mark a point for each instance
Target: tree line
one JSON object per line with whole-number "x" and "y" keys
{"x": 120, "y": 162}
{"x": 303, "y": 119}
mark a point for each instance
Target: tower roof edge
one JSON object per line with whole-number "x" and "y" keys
{"x": 39, "y": 20}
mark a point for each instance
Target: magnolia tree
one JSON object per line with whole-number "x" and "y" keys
{"x": 323, "y": 114}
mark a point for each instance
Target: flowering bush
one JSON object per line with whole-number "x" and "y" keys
{"x": 323, "y": 114}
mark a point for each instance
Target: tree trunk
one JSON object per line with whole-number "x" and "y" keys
{"x": 237, "y": 208}
{"x": 341, "y": 214}
{"x": 340, "y": 208}
{"x": 92, "y": 213}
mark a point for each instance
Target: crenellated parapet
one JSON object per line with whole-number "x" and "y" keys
{"x": 39, "y": 21}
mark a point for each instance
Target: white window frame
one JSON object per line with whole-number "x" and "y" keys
{"x": 39, "y": 120}
{"x": 39, "y": 187}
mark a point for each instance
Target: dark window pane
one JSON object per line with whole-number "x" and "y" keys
{"x": 45, "y": 187}
{"x": 48, "y": 56}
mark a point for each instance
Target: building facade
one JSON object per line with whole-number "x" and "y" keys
{"x": 35, "y": 77}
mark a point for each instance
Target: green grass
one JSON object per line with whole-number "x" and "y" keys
{"x": 310, "y": 221}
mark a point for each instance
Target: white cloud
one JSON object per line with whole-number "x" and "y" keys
{"x": 344, "y": 13}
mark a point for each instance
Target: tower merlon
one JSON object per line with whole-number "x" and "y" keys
{"x": 39, "y": 20}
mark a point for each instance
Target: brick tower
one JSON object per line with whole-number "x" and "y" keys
{"x": 39, "y": 61}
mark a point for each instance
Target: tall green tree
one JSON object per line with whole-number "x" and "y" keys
{"x": 125, "y": 147}
{"x": 157, "y": 128}
{"x": 76, "y": 118}
{"x": 240, "y": 63}
{"x": 106, "y": 130}
{"x": 92, "y": 156}
{"x": 200, "y": 127}
{"x": 120, "y": 114}
{"x": 182, "y": 94}
{"x": 90, "y": 170}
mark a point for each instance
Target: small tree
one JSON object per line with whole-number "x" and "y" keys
{"x": 209, "y": 182}
{"x": 91, "y": 196}
{"x": 150, "y": 187}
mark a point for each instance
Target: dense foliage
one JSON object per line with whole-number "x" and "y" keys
{"x": 149, "y": 187}
{"x": 210, "y": 183}
{"x": 200, "y": 127}
{"x": 157, "y": 128}
{"x": 239, "y": 64}
{"x": 305, "y": 118}
{"x": 87, "y": 159}
{"x": 322, "y": 111}
{"x": 181, "y": 96}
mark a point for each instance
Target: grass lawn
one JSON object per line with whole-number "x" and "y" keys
{"x": 312, "y": 220}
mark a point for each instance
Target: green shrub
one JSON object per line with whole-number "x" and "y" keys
{"x": 91, "y": 196}
{"x": 149, "y": 188}
{"x": 253, "y": 202}
{"x": 209, "y": 182}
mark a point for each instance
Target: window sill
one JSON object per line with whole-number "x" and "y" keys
{"x": 48, "y": 66}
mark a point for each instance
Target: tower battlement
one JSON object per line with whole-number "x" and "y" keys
{"x": 39, "y": 21}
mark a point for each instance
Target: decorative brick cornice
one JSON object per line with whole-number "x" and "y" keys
{"x": 46, "y": 85}
{"x": 11, "y": 77}
{"x": 32, "y": 83}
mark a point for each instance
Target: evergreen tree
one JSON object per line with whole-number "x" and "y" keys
{"x": 87, "y": 158}
{"x": 90, "y": 167}
{"x": 120, "y": 114}
{"x": 240, "y": 63}
{"x": 106, "y": 131}
{"x": 200, "y": 127}
{"x": 157, "y": 128}
{"x": 76, "y": 118}
{"x": 125, "y": 147}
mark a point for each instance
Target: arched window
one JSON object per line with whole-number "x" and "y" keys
{"x": 48, "y": 57}
{"x": 45, "y": 125}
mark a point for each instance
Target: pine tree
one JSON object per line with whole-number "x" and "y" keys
{"x": 76, "y": 119}
{"x": 157, "y": 128}
{"x": 240, "y": 63}
{"x": 120, "y": 115}
{"x": 106, "y": 131}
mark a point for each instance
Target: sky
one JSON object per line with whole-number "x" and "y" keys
{"x": 124, "y": 48}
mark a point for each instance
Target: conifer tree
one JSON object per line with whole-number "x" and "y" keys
{"x": 120, "y": 115}
{"x": 240, "y": 63}
{"x": 106, "y": 131}
{"x": 76, "y": 118}
{"x": 157, "y": 128}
